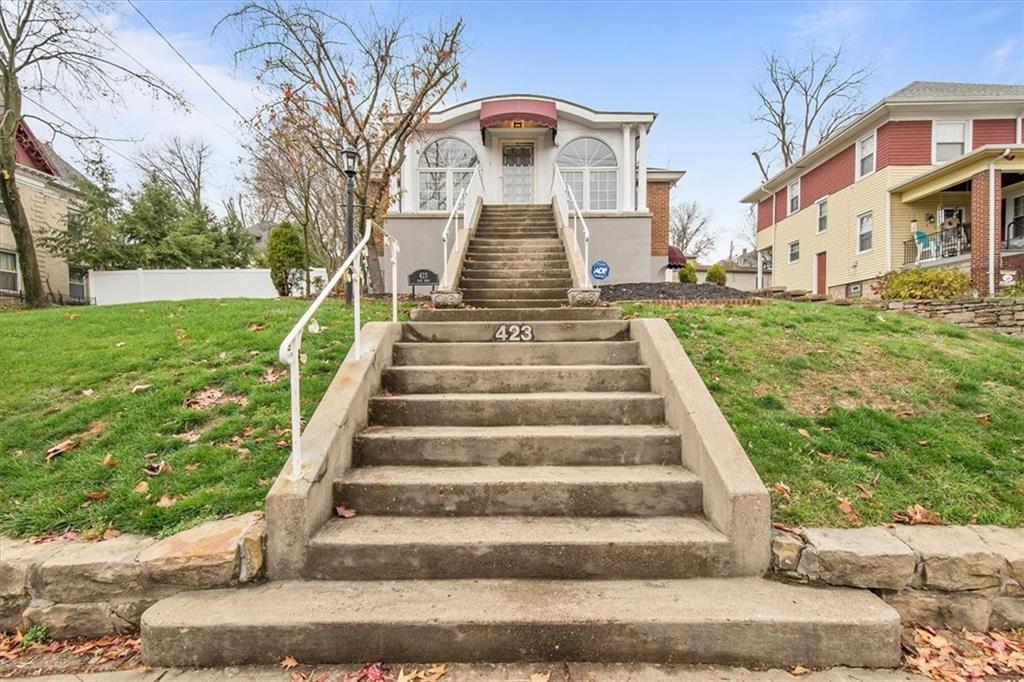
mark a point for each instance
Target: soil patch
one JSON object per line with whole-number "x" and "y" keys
{"x": 654, "y": 291}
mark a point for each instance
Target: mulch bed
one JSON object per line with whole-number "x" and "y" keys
{"x": 673, "y": 291}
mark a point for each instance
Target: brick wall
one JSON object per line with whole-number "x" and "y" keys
{"x": 994, "y": 131}
{"x": 828, "y": 177}
{"x": 659, "y": 205}
{"x": 904, "y": 143}
{"x": 979, "y": 227}
{"x": 764, "y": 214}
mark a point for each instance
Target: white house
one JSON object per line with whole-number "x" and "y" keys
{"x": 518, "y": 142}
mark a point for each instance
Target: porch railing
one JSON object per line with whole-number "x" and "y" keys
{"x": 571, "y": 213}
{"x": 290, "y": 352}
{"x": 465, "y": 206}
{"x": 947, "y": 243}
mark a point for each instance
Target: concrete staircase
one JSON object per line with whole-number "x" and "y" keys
{"x": 520, "y": 501}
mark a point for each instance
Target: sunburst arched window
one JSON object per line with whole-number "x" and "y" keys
{"x": 445, "y": 167}
{"x": 591, "y": 172}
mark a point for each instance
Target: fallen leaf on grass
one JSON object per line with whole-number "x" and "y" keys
{"x": 344, "y": 512}
{"x": 192, "y": 467}
{"x": 852, "y": 517}
{"x": 212, "y": 396}
{"x": 918, "y": 514}
{"x": 141, "y": 488}
{"x": 60, "y": 448}
{"x": 87, "y": 392}
{"x": 188, "y": 436}
{"x": 167, "y": 501}
{"x": 71, "y": 316}
{"x": 255, "y": 327}
{"x": 95, "y": 495}
{"x": 119, "y": 344}
{"x": 864, "y": 492}
{"x": 157, "y": 468}
{"x": 781, "y": 489}
{"x": 805, "y": 433}
{"x": 109, "y": 461}
{"x": 272, "y": 375}
{"x": 289, "y": 662}
{"x": 983, "y": 418}
{"x": 140, "y": 387}
{"x": 111, "y": 533}
{"x": 923, "y": 442}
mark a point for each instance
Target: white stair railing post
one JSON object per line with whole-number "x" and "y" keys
{"x": 394, "y": 277}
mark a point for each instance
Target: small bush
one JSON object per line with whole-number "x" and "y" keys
{"x": 286, "y": 258}
{"x": 921, "y": 283}
{"x": 37, "y": 634}
{"x": 716, "y": 274}
{"x": 687, "y": 274}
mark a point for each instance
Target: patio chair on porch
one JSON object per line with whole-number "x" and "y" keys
{"x": 925, "y": 245}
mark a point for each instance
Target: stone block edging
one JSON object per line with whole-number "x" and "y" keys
{"x": 85, "y": 589}
{"x": 1003, "y": 315}
{"x": 943, "y": 576}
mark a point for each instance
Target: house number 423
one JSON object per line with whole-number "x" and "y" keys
{"x": 514, "y": 332}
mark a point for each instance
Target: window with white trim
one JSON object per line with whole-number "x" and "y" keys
{"x": 794, "y": 251}
{"x": 591, "y": 172}
{"x": 949, "y": 140}
{"x": 793, "y": 192}
{"x": 76, "y": 282}
{"x": 446, "y": 167}
{"x": 866, "y": 155}
{"x": 9, "y": 279}
{"x": 865, "y": 231}
{"x": 822, "y": 215}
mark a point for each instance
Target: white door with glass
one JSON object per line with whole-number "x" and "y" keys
{"x": 517, "y": 172}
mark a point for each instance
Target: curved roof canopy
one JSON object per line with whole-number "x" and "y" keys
{"x": 676, "y": 259}
{"x": 536, "y": 111}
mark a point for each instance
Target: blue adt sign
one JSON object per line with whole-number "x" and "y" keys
{"x": 600, "y": 270}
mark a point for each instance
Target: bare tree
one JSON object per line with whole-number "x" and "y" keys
{"x": 52, "y": 47}
{"x": 180, "y": 164}
{"x": 803, "y": 101}
{"x": 371, "y": 83}
{"x": 690, "y": 229}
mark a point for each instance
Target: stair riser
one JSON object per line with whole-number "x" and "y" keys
{"x": 475, "y": 251}
{"x": 617, "y": 330}
{"x": 517, "y": 259}
{"x": 473, "y": 293}
{"x": 551, "y": 498}
{"x": 515, "y": 303}
{"x": 515, "y": 380}
{"x": 512, "y": 283}
{"x": 519, "y": 353}
{"x": 498, "y": 271}
{"x": 638, "y": 561}
{"x": 517, "y": 232}
{"x": 494, "y": 412}
{"x": 517, "y": 315}
{"x": 471, "y": 450}
{"x": 515, "y": 242}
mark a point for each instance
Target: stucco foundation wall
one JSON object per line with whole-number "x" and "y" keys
{"x": 943, "y": 576}
{"x": 419, "y": 240}
{"x": 624, "y": 242}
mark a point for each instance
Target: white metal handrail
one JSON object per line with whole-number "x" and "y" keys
{"x": 290, "y": 351}
{"x": 466, "y": 203}
{"x": 570, "y": 210}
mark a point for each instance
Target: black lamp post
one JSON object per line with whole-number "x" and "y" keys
{"x": 349, "y": 159}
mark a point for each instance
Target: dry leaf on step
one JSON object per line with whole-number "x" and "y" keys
{"x": 344, "y": 512}
{"x": 288, "y": 662}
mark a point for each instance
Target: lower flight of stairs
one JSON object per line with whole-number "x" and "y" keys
{"x": 521, "y": 501}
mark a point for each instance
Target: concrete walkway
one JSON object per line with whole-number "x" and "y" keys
{"x": 577, "y": 672}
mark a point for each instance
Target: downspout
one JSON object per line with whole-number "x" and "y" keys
{"x": 992, "y": 227}
{"x": 1020, "y": 121}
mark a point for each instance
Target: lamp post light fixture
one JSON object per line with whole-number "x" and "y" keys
{"x": 349, "y": 159}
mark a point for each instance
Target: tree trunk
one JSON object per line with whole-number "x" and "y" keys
{"x": 31, "y": 278}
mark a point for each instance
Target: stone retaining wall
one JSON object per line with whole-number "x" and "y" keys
{"x": 96, "y": 588}
{"x": 944, "y": 576}
{"x": 1003, "y": 315}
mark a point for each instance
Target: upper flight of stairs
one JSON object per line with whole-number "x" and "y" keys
{"x": 515, "y": 260}
{"x": 520, "y": 501}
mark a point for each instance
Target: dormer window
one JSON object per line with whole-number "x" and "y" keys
{"x": 950, "y": 140}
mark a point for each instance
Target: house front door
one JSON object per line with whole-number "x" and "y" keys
{"x": 819, "y": 273}
{"x": 517, "y": 172}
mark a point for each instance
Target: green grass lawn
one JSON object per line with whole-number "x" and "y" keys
{"x": 884, "y": 410}
{"x": 65, "y": 370}
{"x": 826, "y": 400}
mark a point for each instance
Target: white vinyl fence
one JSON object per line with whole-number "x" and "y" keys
{"x": 135, "y": 286}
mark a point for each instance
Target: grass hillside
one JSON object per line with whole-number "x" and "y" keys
{"x": 178, "y": 412}
{"x": 880, "y": 410}
{"x": 117, "y": 380}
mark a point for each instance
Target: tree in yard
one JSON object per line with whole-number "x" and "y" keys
{"x": 53, "y": 47}
{"x": 286, "y": 257}
{"x": 803, "y": 101}
{"x": 180, "y": 164}
{"x": 689, "y": 229}
{"x": 371, "y": 84}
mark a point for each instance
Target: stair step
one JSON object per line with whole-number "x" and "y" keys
{"x": 558, "y": 445}
{"x": 499, "y": 271}
{"x": 516, "y": 257}
{"x": 517, "y": 232}
{"x": 563, "y": 283}
{"x": 515, "y": 242}
{"x": 529, "y": 379}
{"x": 485, "y": 294}
{"x": 521, "y": 490}
{"x": 520, "y": 314}
{"x": 527, "y": 353}
{"x": 611, "y": 330}
{"x": 709, "y": 620}
{"x": 408, "y": 548}
{"x": 515, "y": 302}
{"x": 509, "y": 409}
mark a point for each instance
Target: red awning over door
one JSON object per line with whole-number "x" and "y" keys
{"x": 501, "y": 111}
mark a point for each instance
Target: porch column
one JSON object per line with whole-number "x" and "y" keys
{"x": 641, "y": 160}
{"x": 627, "y": 181}
{"x": 760, "y": 272}
{"x": 980, "y": 229}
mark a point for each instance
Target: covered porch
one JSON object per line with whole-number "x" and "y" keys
{"x": 968, "y": 212}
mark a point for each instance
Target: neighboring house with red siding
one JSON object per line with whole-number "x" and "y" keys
{"x": 904, "y": 185}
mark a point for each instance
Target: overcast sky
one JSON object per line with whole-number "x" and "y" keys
{"x": 693, "y": 63}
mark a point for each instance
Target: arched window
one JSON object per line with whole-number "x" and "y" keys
{"x": 590, "y": 170}
{"x": 446, "y": 166}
